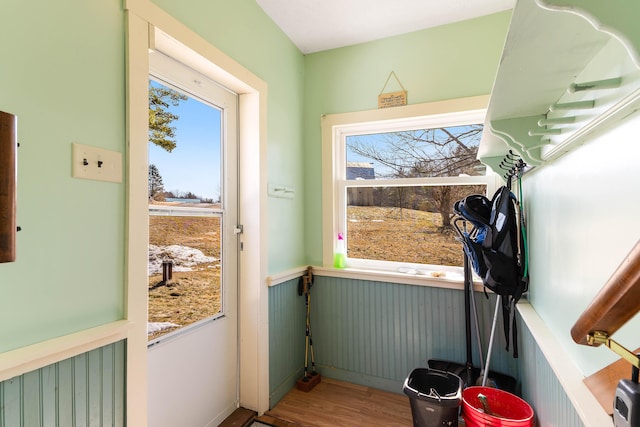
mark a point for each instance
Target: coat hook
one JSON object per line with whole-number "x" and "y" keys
{"x": 542, "y": 132}
{"x": 556, "y": 120}
{"x": 596, "y": 84}
{"x": 578, "y": 105}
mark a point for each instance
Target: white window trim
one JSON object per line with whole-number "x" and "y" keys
{"x": 336, "y": 127}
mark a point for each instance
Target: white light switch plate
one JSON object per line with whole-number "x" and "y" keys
{"x": 96, "y": 163}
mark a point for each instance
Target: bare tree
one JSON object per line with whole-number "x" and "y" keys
{"x": 438, "y": 152}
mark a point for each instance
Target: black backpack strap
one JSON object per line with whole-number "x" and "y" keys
{"x": 514, "y": 329}
{"x": 510, "y": 324}
{"x": 506, "y": 319}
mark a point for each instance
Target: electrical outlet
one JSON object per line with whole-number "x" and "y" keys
{"x": 96, "y": 163}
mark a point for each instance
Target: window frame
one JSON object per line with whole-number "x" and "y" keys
{"x": 336, "y": 128}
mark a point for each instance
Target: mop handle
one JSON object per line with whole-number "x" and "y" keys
{"x": 307, "y": 337}
{"x": 493, "y": 330}
{"x": 474, "y": 308}
{"x": 313, "y": 358}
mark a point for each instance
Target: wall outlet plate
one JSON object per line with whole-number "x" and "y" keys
{"x": 96, "y": 163}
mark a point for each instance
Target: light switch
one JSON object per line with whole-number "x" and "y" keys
{"x": 96, "y": 163}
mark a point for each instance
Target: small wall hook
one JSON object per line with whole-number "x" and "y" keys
{"x": 578, "y": 105}
{"x": 596, "y": 84}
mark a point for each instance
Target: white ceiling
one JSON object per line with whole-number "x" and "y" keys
{"x": 316, "y": 25}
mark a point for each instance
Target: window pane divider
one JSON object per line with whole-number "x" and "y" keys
{"x": 426, "y": 181}
{"x": 163, "y": 210}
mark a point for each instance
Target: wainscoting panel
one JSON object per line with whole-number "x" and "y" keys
{"x": 541, "y": 388}
{"x": 375, "y": 333}
{"x": 287, "y": 314}
{"x": 86, "y": 390}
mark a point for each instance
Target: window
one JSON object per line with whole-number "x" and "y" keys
{"x": 393, "y": 185}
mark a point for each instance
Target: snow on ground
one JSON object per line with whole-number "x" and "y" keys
{"x": 159, "y": 326}
{"x": 184, "y": 258}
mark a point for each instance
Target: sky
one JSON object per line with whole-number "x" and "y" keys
{"x": 375, "y": 140}
{"x": 194, "y": 165}
{"x": 380, "y": 142}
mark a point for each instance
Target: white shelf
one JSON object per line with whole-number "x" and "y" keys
{"x": 549, "y": 48}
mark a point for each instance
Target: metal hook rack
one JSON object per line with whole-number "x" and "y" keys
{"x": 513, "y": 165}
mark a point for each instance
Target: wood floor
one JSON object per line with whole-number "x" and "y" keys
{"x": 339, "y": 404}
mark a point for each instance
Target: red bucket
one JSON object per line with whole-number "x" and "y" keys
{"x": 505, "y": 409}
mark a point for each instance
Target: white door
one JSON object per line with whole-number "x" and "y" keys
{"x": 193, "y": 267}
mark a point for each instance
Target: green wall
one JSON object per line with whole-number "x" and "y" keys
{"x": 451, "y": 61}
{"x": 583, "y": 221}
{"x": 62, "y": 74}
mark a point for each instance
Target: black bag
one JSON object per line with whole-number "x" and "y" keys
{"x": 496, "y": 250}
{"x": 477, "y": 210}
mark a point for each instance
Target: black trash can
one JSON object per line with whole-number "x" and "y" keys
{"x": 435, "y": 397}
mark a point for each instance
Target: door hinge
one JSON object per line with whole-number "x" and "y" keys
{"x": 239, "y": 229}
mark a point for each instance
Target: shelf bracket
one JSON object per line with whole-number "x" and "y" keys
{"x": 600, "y": 337}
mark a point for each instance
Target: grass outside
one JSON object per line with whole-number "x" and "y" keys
{"x": 402, "y": 235}
{"x": 191, "y": 295}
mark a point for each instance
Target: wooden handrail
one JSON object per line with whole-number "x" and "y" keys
{"x": 616, "y": 303}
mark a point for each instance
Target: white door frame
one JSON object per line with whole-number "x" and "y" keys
{"x": 144, "y": 21}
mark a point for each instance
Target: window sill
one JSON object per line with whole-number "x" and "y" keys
{"x": 452, "y": 280}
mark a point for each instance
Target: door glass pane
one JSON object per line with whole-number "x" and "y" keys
{"x": 185, "y": 210}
